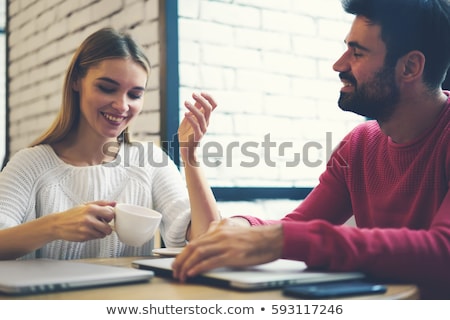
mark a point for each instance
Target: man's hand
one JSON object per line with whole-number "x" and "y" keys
{"x": 228, "y": 244}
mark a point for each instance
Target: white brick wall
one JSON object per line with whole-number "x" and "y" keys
{"x": 43, "y": 36}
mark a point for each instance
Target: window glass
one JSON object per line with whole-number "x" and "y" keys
{"x": 269, "y": 66}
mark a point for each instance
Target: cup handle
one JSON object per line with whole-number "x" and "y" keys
{"x": 111, "y": 223}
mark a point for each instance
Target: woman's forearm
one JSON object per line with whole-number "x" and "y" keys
{"x": 20, "y": 240}
{"x": 203, "y": 203}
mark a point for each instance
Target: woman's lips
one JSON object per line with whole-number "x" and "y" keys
{"x": 113, "y": 118}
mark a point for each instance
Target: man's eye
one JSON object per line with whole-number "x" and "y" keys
{"x": 356, "y": 53}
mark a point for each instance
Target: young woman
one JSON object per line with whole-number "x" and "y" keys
{"x": 57, "y": 197}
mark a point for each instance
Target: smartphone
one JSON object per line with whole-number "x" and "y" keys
{"x": 333, "y": 289}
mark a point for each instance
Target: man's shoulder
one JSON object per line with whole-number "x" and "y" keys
{"x": 369, "y": 126}
{"x": 368, "y": 131}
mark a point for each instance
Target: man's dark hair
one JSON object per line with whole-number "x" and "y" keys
{"x": 408, "y": 25}
{"x": 446, "y": 83}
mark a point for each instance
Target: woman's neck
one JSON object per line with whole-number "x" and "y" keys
{"x": 83, "y": 152}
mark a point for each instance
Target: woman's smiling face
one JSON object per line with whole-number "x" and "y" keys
{"x": 111, "y": 95}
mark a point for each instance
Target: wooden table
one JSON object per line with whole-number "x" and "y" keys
{"x": 167, "y": 289}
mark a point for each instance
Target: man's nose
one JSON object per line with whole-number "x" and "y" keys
{"x": 342, "y": 65}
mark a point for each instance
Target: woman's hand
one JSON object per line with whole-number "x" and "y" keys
{"x": 85, "y": 222}
{"x": 194, "y": 124}
{"x": 191, "y": 130}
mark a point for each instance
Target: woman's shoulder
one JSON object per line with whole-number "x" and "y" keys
{"x": 37, "y": 155}
{"x": 31, "y": 162}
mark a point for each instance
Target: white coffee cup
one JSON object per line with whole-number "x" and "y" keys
{"x": 135, "y": 225}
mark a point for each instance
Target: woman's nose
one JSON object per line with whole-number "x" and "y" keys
{"x": 120, "y": 103}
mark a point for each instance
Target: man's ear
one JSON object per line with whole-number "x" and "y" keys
{"x": 411, "y": 66}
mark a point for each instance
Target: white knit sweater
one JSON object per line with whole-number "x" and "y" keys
{"x": 36, "y": 182}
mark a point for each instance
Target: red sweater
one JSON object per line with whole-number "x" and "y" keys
{"x": 399, "y": 196}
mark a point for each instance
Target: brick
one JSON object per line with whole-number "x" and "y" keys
{"x": 189, "y": 9}
{"x": 287, "y": 22}
{"x": 229, "y": 14}
{"x": 194, "y": 30}
{"x": 132, "y": 12}
{"x": 265, "y": 40}
{"x": 151, "y": 10}
{"x": 189, "y": 52}
{"x": 231, "y": 56}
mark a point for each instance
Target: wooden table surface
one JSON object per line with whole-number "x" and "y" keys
{"x": 167, "y": 289}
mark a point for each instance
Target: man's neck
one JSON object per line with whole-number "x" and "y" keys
{"x": 413, "y": 117}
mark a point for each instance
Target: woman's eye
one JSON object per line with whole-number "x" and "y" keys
{"x": 106, "y": 89}
{"x": 135, "y": 95}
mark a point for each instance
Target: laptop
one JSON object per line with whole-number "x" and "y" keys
{"x": 275, "y": 274}
{"x": 48, "y": 275}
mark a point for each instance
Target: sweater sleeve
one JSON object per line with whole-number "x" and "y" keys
{"x": 418, "y": 253}
{"x": 391, "y": 254}
{"x": 17, "y": 182}
{"x": 170, "y": 198}
{"x": 314, "y": 233}
{"x": 420, "y": 256}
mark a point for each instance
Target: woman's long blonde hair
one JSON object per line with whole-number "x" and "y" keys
{"x": 103, "y": 44}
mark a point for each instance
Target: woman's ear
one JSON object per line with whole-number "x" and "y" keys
{"x": 76, "y": 85}
{"x": 412, "y": 65}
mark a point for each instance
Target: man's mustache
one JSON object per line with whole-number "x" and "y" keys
{"x": 347, "y": 77}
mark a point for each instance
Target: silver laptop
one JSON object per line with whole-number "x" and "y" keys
{"x": 46, "y": 275}
{"x": 270, "y": 275}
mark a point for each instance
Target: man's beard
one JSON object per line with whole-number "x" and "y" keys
{"x": 375, "y": 99}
